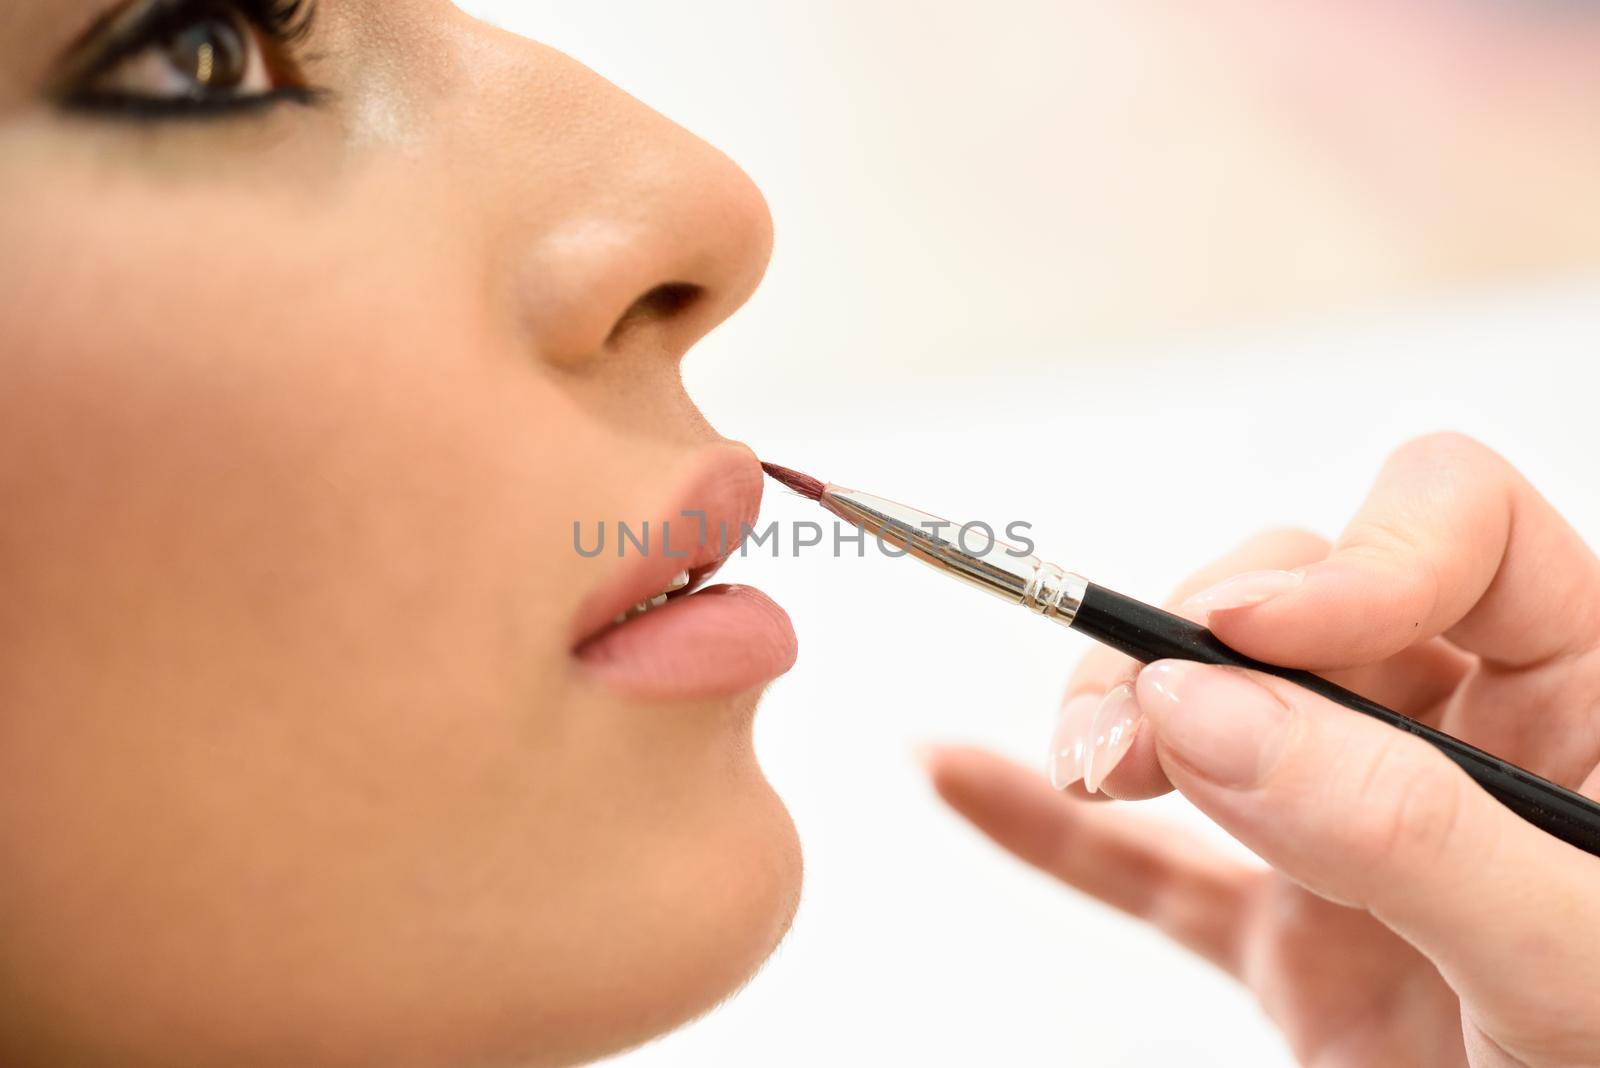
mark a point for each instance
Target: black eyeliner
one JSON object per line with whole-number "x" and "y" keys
{"x": 136, "y": 107}
{"x": 129, "y": 30}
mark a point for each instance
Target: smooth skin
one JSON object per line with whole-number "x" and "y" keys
{"x": 297, "y": 411}
{"x": 1406, "y": 917}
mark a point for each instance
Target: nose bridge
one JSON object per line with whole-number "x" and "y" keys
{"x": 599, "y": 207}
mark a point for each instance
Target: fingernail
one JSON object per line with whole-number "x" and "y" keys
{"x": 1070, "y": 747}
{"x": 1111, "y": 734}
{"x": 1220, "y": 723}
{"x": 1243, "y": 591}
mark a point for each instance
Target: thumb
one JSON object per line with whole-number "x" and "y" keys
{"x": 1371, "y": 817}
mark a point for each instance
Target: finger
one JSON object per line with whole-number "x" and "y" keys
{"x": 1418, "y": 683}
{"x": 1097, "y": 768}
{"x": 1136, "y": 775}
{"x": 1452, "y": 541}
{"x": 1415, "y": 682}
{"x": 1103, "y": 668}
{"x": 1154, "y": 873}
{"x": 1373, "y": 817}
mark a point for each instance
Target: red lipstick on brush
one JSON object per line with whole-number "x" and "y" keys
{"x": 1148, "y": 634}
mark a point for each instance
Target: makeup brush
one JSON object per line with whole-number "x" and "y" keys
{"x": 1149, "y": 634}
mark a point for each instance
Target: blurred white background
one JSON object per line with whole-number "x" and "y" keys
{"x": 1149, "y": 280}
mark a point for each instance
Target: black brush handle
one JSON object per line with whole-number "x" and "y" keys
{"x": 1148, "y": 634}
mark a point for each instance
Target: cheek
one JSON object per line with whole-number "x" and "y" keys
{"x": 284, "y": 652}
{"x": 277, "y": 460}
{"x": 258, "y": 470}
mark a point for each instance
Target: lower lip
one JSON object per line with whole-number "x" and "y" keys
{"x": 719, "y": 642}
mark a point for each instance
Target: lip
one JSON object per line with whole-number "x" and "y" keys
{"x": 706, "y": 642}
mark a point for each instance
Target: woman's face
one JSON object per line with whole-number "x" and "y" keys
{"x": 316, "y": 348}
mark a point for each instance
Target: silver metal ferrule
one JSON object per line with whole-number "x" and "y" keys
{"x": 969, "y": 552}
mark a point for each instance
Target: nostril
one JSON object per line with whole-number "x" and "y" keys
{"x": 661, "y": 303}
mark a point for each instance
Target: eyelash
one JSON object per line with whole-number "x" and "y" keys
{"x": 131, "y": 106}
{"x": 284, "y": 23}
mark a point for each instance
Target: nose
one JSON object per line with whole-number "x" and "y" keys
{"x": 617, "y": 231}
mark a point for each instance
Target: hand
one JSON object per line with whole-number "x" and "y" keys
{"x": 1407, "y": 917}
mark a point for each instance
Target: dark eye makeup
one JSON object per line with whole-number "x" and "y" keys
{"x": 215, "y": 58}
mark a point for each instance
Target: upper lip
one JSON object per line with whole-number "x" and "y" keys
{"x": 696, "y": 532}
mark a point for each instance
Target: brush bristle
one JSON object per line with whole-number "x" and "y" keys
{"x": 803, "y": 484}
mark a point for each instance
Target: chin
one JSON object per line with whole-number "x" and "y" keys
{"x": 736, "y": 911}
{"x": 711, "y": 873}
{"x": 721, "y": 917}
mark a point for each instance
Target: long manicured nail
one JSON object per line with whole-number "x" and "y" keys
{"x": 1243, "y": 591}
{"x": 1069, "y": 749}
{"x": 1111, "y": 733}
{"x": 1218, "y": 722}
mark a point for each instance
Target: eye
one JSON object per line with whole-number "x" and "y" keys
{"x": 217, "y": 54}
{"x": 169, "y": 57}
